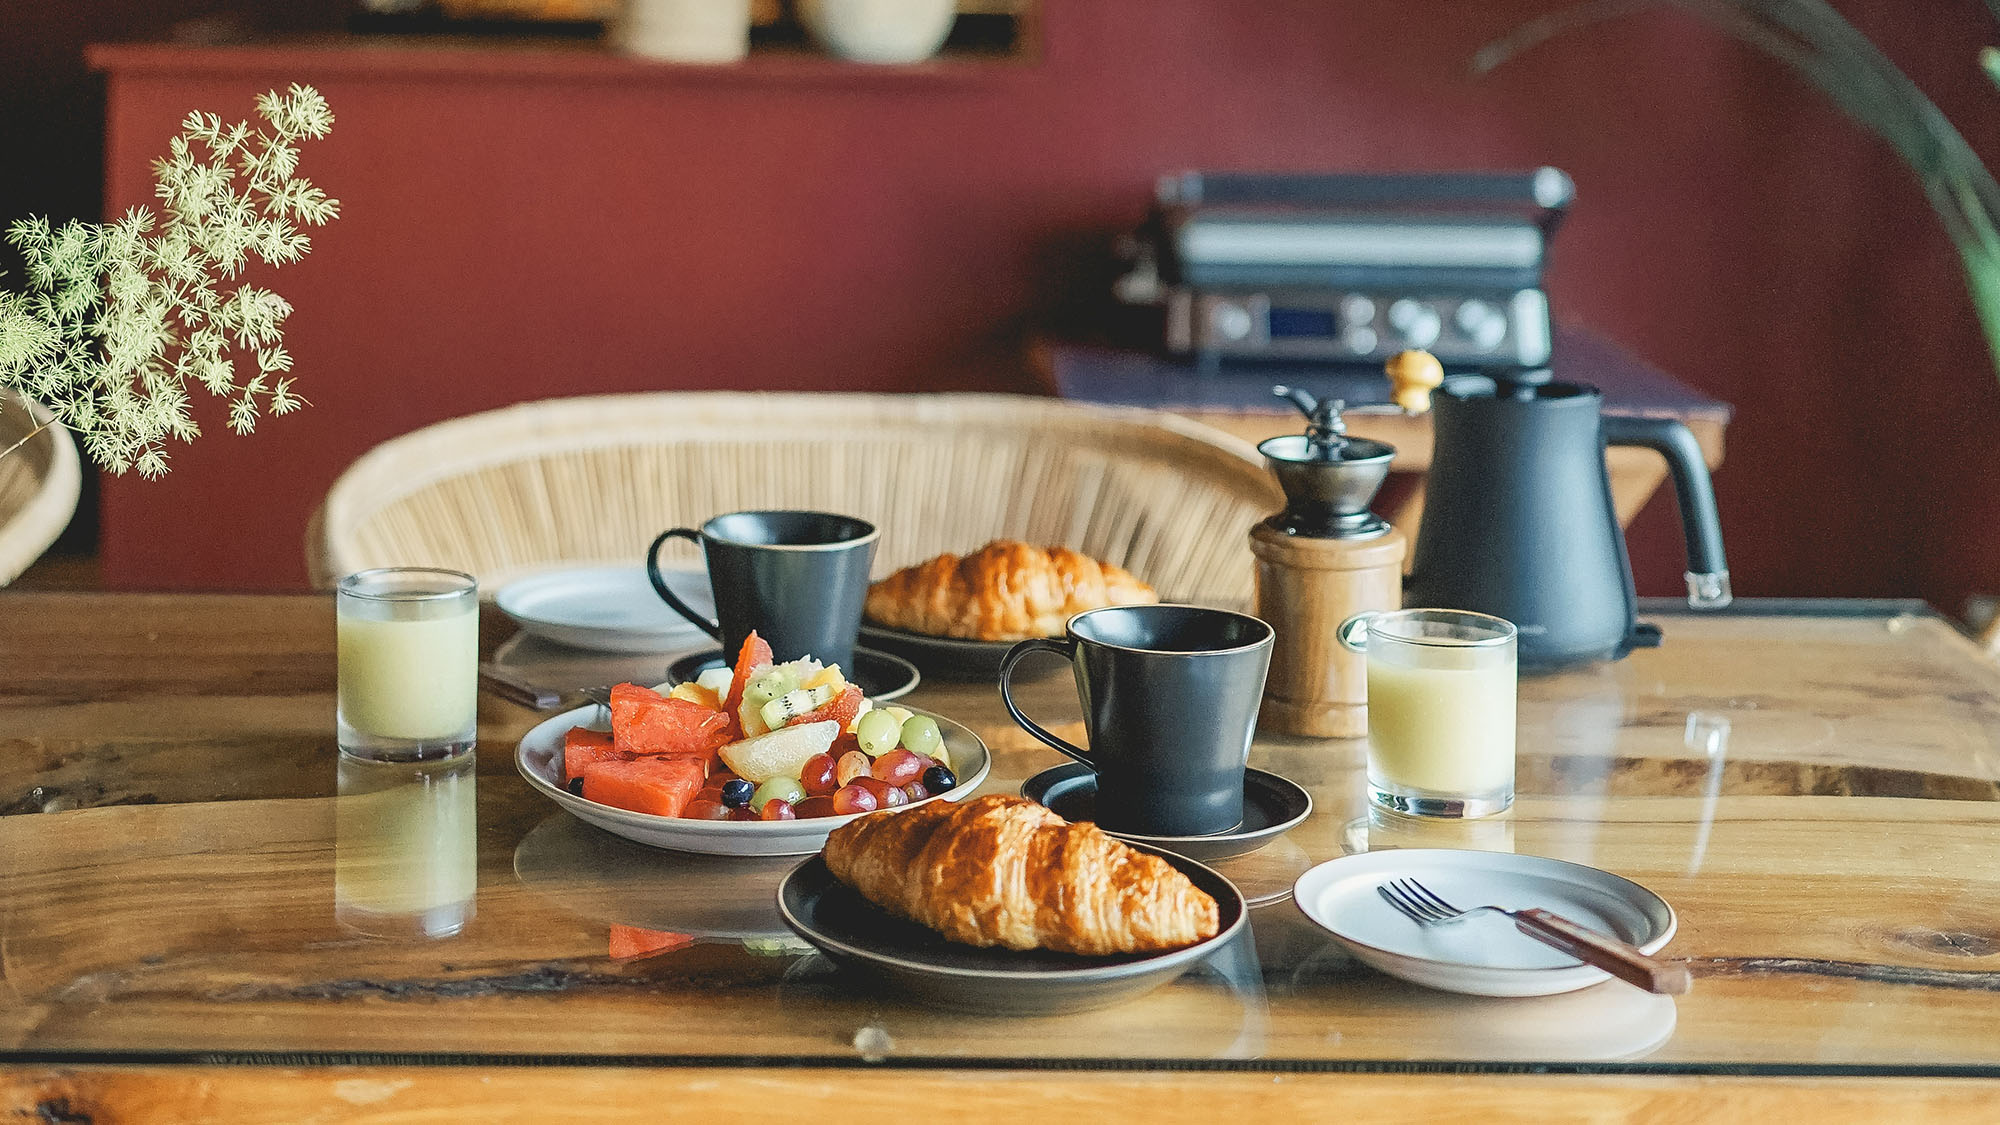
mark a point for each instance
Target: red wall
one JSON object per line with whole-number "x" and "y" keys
{"x": 608, "y": 226}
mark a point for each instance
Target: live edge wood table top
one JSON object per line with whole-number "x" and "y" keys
{"x": 1815, "y": 788}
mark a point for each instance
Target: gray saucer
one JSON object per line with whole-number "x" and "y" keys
{"x": 1272, "y": 806}
{"x": 882, "y": 676}
{"x": 857, "y": 934}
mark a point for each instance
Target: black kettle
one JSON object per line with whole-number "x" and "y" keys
{"x": 1518, "y": 520}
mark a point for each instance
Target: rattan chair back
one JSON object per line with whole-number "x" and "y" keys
{"x": 591, "y": 480}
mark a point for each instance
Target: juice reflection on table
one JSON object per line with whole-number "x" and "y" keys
{"x": 406, "y": 855}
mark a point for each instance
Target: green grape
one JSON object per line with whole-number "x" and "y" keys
{"x": 786, "y": 789}
{"x": 877, "y": 732}
{"x": 921, "y": 734}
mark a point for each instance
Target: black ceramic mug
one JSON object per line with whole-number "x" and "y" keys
{"x": 799, "y": 579}
{"x": 1170, "y": 696}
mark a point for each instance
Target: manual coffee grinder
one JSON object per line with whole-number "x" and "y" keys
{"x": 1322, "y": 560}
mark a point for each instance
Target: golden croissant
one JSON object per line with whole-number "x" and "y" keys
{"x": 1007, "y": 871}
{"x": 1004, "y": 591}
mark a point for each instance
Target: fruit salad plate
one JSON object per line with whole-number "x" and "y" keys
{"x": 540, "y": 759}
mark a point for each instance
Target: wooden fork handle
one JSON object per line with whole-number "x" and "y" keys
{"x": 1613, "y": 956}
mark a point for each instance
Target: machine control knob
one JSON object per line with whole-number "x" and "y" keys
{"x": 1231, "y": 321}
{"x": 1419, "y": 323}
{"x": 1481, "y": 323}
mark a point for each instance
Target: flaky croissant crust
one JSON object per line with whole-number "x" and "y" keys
{"x": 1005, "y": 591}
{"x": 1006, "y": 871}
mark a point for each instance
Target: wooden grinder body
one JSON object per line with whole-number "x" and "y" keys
{"x": 1305, "y": 587}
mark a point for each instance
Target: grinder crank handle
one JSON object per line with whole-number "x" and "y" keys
{"x": 1708, "y": 571}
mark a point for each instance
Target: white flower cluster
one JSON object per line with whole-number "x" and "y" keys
{"x": 120, "y": 319}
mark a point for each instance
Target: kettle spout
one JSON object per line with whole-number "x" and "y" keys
{"x": 1709, "y": 591}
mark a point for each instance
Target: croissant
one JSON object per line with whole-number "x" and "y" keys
{"x": 1006, "y": 871}
{"x": 1004, "y": 591}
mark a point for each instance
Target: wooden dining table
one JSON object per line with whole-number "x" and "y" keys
{"x": 1814, "y": 787}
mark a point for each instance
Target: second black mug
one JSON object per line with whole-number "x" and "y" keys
{"x": 799, "y": 579}
{"x": 1170, "y": 696}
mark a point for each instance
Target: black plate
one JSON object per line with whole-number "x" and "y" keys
{"x": 954, "y": 658}
{"x": 882, "y": 677}
{"x": 855, "y": 933}
{"x": 1272, "y": 806}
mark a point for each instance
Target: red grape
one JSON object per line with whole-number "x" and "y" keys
{"x": 814, "y": 806}
{"x": 853, "y": 799}
{"x": 900, "y": 767}
{"x": 743, "y": 812}
{"x": 852, "y": 764}
{"x": 775, "y": 809}
{"x": 817, "y": 776}
{"x": 706, "y": 805}
{"x": 887, "y": 796}
{"x": 915, "y": 791}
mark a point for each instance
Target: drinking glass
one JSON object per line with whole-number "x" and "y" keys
{"x": 1441, "y": 686}
{"x": 409, "y": 663}
{"x": 405, "y": 853}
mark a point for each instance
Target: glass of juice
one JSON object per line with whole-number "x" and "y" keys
{"x": 1440, "y": 710}
{"x": 409, "y": 663}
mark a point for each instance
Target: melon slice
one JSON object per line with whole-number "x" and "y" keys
{"x": 780, "y": 753}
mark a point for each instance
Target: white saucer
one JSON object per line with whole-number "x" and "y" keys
{"x": 1483, "y": 955}
{"x": 607, "y": 608}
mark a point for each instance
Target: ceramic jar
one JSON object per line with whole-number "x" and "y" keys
{"x": 703, "y": 31}
{"x": 879, "y": 31}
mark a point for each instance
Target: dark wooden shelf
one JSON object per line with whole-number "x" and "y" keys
{"x": 552, "y": 58}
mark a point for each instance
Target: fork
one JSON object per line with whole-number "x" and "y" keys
{"x": 1423, "y": 906}
{"x": 507, "y": 685}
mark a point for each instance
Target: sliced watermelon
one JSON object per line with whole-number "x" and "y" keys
{"x": 645, "y": 722}
{"x": 660, "y": 786}
{"x": 583, "y": 747}
{"x": 756, "y": 654}
{"x": 841, "y": 709}
{"x": 627, "y": 942}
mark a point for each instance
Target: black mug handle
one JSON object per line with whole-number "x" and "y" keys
{"x": 712, "y": 628}
{"x": 1061, "y": 647}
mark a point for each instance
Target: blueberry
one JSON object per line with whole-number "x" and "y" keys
{"x": 736, "y": 792}
{"x": 576, "y": 785}
{"x": 937, "y": 779}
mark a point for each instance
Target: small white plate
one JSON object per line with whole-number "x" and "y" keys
{"x": 539, "y": 758}
{"x": 1483, "y": 955}
{"x": 607, "y": 608}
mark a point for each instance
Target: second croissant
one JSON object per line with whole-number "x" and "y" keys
{"x": 1005, "y": 591}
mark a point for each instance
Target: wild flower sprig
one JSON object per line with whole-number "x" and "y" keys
{"x": 120, "y": 320}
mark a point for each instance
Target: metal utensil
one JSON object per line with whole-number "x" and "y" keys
{"x": 1421, "y": 905}
{"x": 514, "y": 689}
{"x": 505, "y": 684}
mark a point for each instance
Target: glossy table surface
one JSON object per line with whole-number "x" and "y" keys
{"x": 1815, "y": 789}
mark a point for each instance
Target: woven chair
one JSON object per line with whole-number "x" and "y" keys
{"x": 39, "y": 485}
{"x": 591, "y": 480}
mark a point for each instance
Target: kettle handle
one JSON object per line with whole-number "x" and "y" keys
{"x": 1708, "y": 571}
